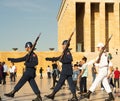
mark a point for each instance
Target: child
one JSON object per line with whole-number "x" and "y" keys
{"x": 75, "y": 75}
{"x": 83, "y": 76}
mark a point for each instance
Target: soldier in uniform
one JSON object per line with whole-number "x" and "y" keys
{"x": 29, "y": 74}
{"x": 103, "y": 75}
{"x": 66, "y": 73}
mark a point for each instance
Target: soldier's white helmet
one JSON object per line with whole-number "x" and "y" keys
{"x": 100, "y": 45}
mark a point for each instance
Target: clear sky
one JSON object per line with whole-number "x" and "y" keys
{"x": 23, "y": 20}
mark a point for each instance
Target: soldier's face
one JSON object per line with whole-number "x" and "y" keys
{"x": 99, "y": 49}
{"x": 63, "y": 46}
{"x": 27, "y": 49}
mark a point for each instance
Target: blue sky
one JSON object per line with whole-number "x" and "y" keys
{"x": 23, "y": 20}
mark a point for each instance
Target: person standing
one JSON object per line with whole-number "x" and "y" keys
{"x": 48, "y": 72}
{"x": 54, "y": 73}
{"x": 30, "y": 73}
{"x": 41, "y": 73}
{"x": 111, "y": 72}
{"x": 1, "y": 73}
{"x": 83, "y": 76}
{"x": 66, "y": 72}
{"x": 116, "y": 76}
{"x": 14, "y": 68}
{"x": 103, "y": 75}
{"x": 11, "y": 73}
{"x": 111, "y": 69}
{"x": 94, "y": 72}
{"x": 5, "y": 71}
{"x": 75, "y": 75}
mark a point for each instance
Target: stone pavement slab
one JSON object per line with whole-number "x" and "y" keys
{"x": 26, "y": 93}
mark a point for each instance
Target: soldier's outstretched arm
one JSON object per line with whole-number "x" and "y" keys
{"x": 17, "y": 59}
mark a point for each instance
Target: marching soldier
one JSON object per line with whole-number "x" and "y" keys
{"x": 29, "y": 74}
{"x": 66, "y": 73}
{"x": 102, "y": 75}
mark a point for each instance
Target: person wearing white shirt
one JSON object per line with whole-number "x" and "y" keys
{"x": 14, "y": 69}
{"x": 11, "y": 73}
{"x": 48, "y": 72}
{"x": 83, "y": 76}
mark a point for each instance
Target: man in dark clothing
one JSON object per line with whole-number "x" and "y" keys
{"x": 30, "y": 73}
{"x": 54, "y": 73}
{"x": 41, "y": 72}
{"x": 5, "y": 70}
{"x": 66, "y": 73}
{"x": 1, "y": 75}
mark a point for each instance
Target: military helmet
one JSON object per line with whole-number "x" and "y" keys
{"x": 65, "y": 42}
{"x": 28, "y": 44}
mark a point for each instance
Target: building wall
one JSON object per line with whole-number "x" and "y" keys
{"x": 66, "y": 23}
{"x": 94, "y": 21}
{"x": 43, "y": 63}
{"x": 41, "y": 57}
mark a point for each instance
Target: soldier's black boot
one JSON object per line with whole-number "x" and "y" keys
{"x": 87, "y": 95}
{"x": 74, "y": 98}
{"x": 38, "y": 98}
{"x": 51, "y": 96}
{"x": 11, "y": 94}
{"x": 111, "y": 97}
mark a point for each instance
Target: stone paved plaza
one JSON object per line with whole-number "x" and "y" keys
{"x": 26, "y": 93}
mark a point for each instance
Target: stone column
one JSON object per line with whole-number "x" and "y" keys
{"x": 115, "y": 42}
{"x": 96, "y": 24}
{"x": 87, "y": 30}
{"x": 101, "y": 36}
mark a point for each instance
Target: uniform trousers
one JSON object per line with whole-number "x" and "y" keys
{"x": 102, "y": 76}
{"x": 61, "y": 81}
{"x": 29, "y": 76}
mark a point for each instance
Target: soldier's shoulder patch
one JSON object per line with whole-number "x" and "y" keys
{"x": 34, "y": 55}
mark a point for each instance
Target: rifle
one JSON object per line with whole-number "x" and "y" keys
{"x": 102, "y": 50}
{"x": 33, "y": 47}
{"x": 67, "y": 45}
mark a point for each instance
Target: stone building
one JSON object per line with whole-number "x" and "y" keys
{"x": 93, "y": 20}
